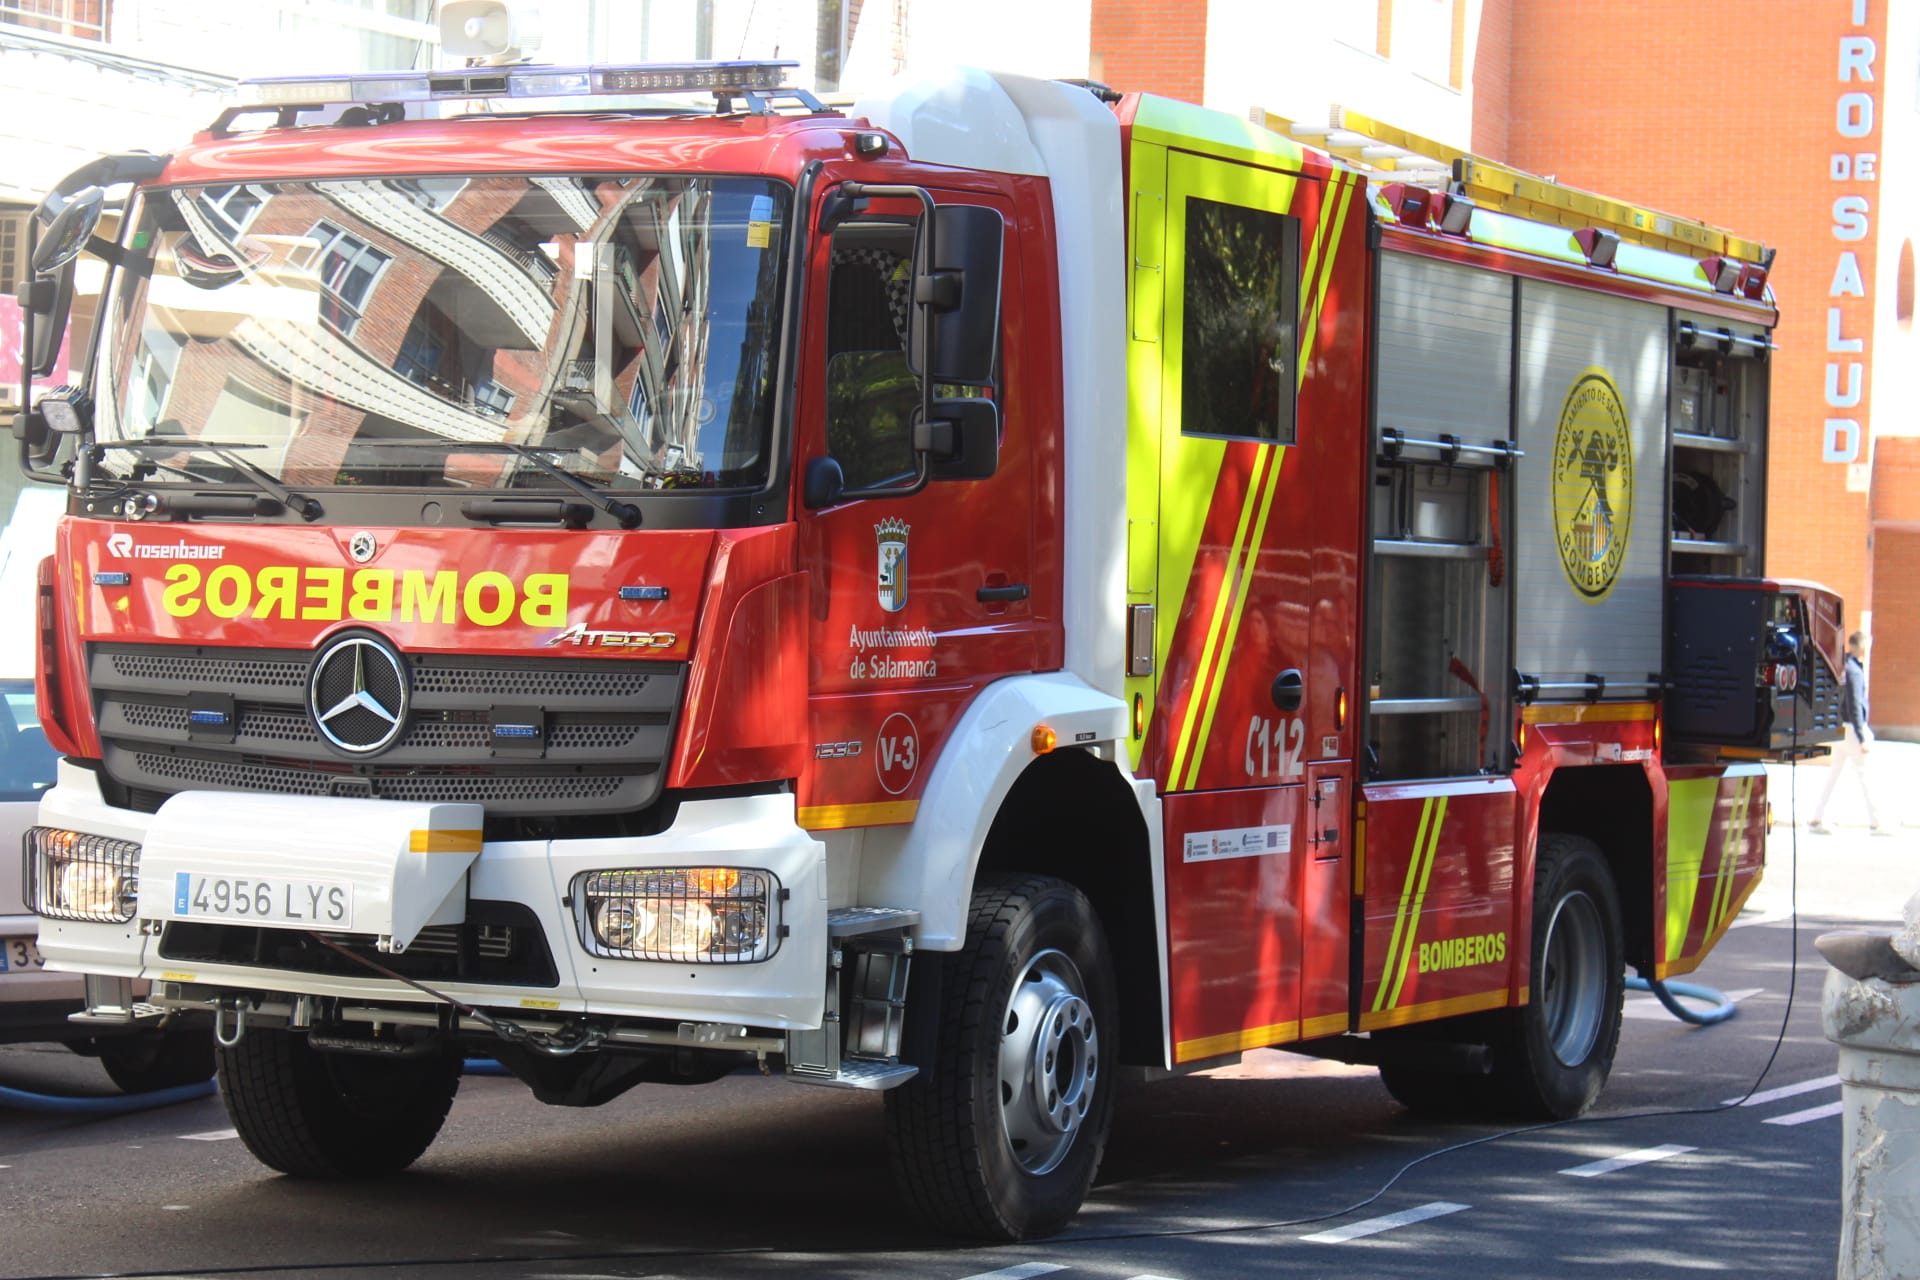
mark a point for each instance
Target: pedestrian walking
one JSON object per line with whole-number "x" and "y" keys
{"x": 1852, "y": 749}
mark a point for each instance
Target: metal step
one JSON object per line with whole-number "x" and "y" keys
{"x": 847, "y": 922}
{"x": 859, "y": 1073}
{"x": 137, "y": 1015}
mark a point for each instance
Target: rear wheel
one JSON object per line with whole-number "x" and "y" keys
{"x": 1555, "y": 1052}
{"x": 160, "y": 1060}
{"x": 1000, "y": 1134}
{"x": 330, "y": 1115}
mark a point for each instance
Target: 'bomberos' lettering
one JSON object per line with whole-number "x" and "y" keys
{"x": 326, "y": 594}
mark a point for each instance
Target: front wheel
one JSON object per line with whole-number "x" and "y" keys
{"x": 333, "y": 1115}
{"x": 1556, "y": 1050}
{"x": 999, "y": 1136}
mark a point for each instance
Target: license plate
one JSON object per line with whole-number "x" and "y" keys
{"x": 317, "y": 904}
{"x": 19, "y": 955}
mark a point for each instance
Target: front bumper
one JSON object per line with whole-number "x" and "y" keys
{"x": 785, "y": 991}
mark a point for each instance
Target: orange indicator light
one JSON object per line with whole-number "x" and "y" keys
{"x": 1044, "y": 739}
{"x": 1139, "y": 715}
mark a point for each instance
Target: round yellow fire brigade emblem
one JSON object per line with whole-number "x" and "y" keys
{"x": 1593, "y": 484}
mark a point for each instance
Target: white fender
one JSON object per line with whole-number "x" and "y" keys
{"x": 929, "y": 865}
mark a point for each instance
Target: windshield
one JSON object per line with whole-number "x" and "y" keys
{"x": 398, "y": 332}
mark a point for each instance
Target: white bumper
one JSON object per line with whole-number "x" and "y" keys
{"x": 759, "y": 832}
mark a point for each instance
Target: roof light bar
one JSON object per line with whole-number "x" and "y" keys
{"x": 528, "y": 81}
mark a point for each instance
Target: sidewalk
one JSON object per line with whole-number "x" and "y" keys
{"x": 1848, "y": 874}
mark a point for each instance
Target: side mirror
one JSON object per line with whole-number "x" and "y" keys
{"x": 961, "y": 284}
{"x": 51, "y": 300}
{"x": 68, "y": 231}
{"x": 962, "y": 441}
{"x": 822, "y": 484}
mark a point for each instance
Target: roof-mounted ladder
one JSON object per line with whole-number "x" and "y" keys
{"x": 1375, "y": 146}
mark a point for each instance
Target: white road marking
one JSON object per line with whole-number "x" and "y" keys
{"x": 1374, "y": 1226}
{"x": 1787, "y": 1091}
{"x": 1627, "y": 1161}
{"x": 1811, "y": 1113}
{"x": 176, "y": 1208}
{"x": 1023, "y": 1271}
{"x": 1649, "y": 1006}
{"x": 212, "y": 1135}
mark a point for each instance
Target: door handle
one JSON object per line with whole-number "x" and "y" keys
{"x": 1289, "y": 687}
{"x": 996, "y": 595}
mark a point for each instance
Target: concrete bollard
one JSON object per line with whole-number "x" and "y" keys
{"x": 1871, "y": 1010}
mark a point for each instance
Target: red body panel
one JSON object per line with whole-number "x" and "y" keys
{"x": 886, "y": 684}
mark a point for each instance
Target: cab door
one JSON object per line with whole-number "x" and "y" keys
{"x": 917, "y": 602}
{"x": 1253, "y": 425}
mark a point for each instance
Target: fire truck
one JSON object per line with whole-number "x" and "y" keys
{"x": 629, "y": 572}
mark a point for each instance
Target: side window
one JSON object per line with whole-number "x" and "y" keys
{"x": 1240, "y": 341}
{"x": 871, "y": 392}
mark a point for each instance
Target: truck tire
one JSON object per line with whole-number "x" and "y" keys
{"x": 160, "y": 1060}
{"x": 331, "y": 1115}
{"x": 1553, "y": 1054}
{"x": 999, "y": 1136}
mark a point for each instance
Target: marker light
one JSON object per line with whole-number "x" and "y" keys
{"x": 700, "y": 915}
{"x": 1139, "y": 715}
{"x": 1340, "y": 707}
{"x": 72, "y": 876}
{"x": 1044, "y": 739}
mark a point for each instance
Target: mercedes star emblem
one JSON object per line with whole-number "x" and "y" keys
{"x": 358, "y": 694}
{"x": 362, "y": 546}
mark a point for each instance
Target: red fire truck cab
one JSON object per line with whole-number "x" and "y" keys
{"x": 962, "y": 597}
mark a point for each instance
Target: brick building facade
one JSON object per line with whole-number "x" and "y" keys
{"x": 1795, "y": 125}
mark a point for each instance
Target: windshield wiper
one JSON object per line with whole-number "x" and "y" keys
{"x": 301, "y": 505}
{"x": 625, "y": 513}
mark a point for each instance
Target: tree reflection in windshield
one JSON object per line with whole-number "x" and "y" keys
{"x": 356, "y": 331}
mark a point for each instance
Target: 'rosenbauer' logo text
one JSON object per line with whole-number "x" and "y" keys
{"x": 123, "y": 546}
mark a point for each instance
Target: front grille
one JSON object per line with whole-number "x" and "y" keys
{"x": 501, "y": 943}
{"x": 607, "y": 730}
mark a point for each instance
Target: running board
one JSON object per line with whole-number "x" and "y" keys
{"x": 857, "y": 1045}
{"x": 858, "y": 1073}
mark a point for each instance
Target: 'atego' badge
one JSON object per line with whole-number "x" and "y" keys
{"x": 1593, "y": 484}
{"x": 892, "y": 536}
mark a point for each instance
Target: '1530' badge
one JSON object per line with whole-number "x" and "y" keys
{"x": 892, "y": 536}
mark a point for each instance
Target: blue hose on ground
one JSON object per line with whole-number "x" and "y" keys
{"x": 114, "y": 1105}
{"x": 485, "y": 1067}
{"x": 1667, "y": 993}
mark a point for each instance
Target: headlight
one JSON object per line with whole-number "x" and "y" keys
{"x": 711, "y": 915}
{"x": 73, "y": 876}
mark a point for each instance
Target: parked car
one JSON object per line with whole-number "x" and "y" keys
{"x": 35, "y": 1002}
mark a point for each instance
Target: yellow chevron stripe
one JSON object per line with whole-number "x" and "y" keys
{"x": 1419, "y": 898}
{"x": 1321, "y": 255}
{"x": 1400, "y": 914}
{"x": 1210, "y": 650}
{"x": 1249, "y": 561}
{"x": 1342, "y": 203}
{"x": 1730, "y": 854}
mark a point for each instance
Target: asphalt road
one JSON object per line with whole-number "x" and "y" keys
{"x": 1280, "y": 1166}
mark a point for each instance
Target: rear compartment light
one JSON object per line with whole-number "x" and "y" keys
{"x": 75, "y": 876}
{"x": 698, "y": 915}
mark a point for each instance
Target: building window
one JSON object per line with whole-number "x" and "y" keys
{"x": 492, "y": 399}
{"x": 1359, "y": 23}
{"x": 234, "y": 208}
{"x": 421, "y": 352}
{"x": 1240, "y": 335}
{"x": 80, "y": 19}
{"x": 1424, "y": 36}
{"x": 348, "y": 268}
